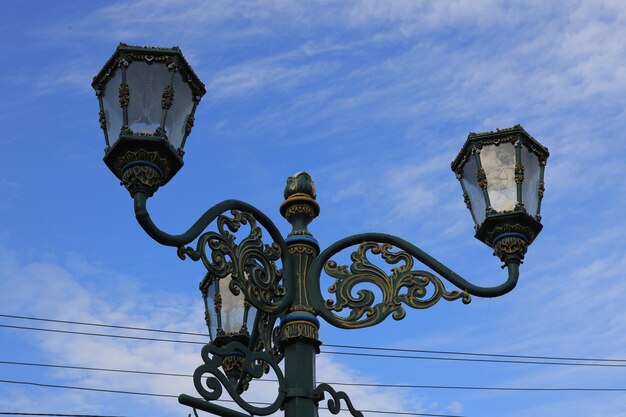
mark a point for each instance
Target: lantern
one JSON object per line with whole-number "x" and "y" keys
{"x": 501, "y": 175}
{"x": 148, "y": 98}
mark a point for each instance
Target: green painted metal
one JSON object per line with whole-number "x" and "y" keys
{"x": 292, "y": 295}
{"x": 300, "y": 379}
{"x": 334, "y": 403}
{"x": 250, "y": 249}
{"x": 289, "y": 299}
{"x": 301, "y": 299}
{"x": 542, "y": 168}
{"x": 210, "y": 381}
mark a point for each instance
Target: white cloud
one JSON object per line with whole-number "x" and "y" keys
{"x": 74, "y": 293}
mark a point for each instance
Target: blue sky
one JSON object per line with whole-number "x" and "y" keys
{"x": 373, "y": 99}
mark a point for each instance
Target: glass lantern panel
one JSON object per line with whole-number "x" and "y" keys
{"x": 498, "y": 161}
{"x": 112, "y": 109}
{"x": 210, "y": 309}
{"x": 476, "y": 196}
{"x": 181, "y": 108}
{"x": 146, "y": 83}
{"x": 530, "y": 186}
{"x": 232, "y": 307}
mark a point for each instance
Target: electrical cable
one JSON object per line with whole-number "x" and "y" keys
{"x": 510, "y": 361}
{"x": 347, "y": 384}
{"x": 497, "y": 355}
{"x": 112, "y": 391}
{"x": 111, "y": 326}
{"x": 374, "y": 348}
{"x": 51, "y": 414}
{"x": 375, "y": 355}
{"x": 115, "y": 336}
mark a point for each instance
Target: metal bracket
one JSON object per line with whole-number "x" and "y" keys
{"x": 216, "y": 381}
{"x": 334, "y": 403}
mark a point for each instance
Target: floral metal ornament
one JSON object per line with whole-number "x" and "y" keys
{"x": 216, "y": 380}
{"x": 403, "y": 286}
{"x": 251, "y": 264}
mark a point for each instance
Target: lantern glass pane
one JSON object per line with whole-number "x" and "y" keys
{"x": 232, "y": 307}
{"x": 470, "y": 181}
{"x": 498, "y": 161}
{"x": 146, "y": 83}
{"x": 112, "y": 109}
{"x": 181, "y": 108}
{"x": 212, "y": 315}
{"x": 530, "y": 188}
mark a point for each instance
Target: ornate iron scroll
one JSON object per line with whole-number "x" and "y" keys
{"x": 255, "y": 364}
{"x": 334, "y": 403}
{"x": 269, "y": 334}
{"x": 250, "y": 263}
{"x": 403, "y": 286}
{"x": 265, "y": 335}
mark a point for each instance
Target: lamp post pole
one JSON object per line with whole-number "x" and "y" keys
{"x": 299, "y": 328}
{"x": 263, "y": 302}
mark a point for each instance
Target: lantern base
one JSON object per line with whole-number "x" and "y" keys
{"x": 509, "y": 234}
{"x": 233, "y": 364}
{"x": 143, "y": 163}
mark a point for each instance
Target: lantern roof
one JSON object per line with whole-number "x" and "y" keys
{"x": 125, "y": 53}
{"x": 495, "y": 137}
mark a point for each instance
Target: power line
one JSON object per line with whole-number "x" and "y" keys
{"x": 497, "y": 355}
{"x": 149, "y": 339}
{"x": 111, "y": 391}
{"x": 86, "y": 368}
{"x": 374, "y": 348}
{"x": 111, "y": 326}
{"x": 350, "y": 384}
{"x": 51, "y": 414}
{"x": 376, "y": 355}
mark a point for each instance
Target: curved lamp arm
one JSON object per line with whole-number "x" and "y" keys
{"x": 246, "y": 284}
{"x": 364, "y": 312}
{"x": 144, "y": 220}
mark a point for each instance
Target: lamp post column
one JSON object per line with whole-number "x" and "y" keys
{"x": 299, "y": 326}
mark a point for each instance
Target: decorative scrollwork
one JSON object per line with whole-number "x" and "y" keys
{"x": 189, "y": 124}
{"x": 334, "y": 403}
{"x": 124, "y": 95}
{"x": 254, "y": 364}
{"x": 269, "y": 334}
{"x": 481, "y": 177}
{"x": 519, "y": 173}
{"x": 168, "y": 97}
{"x": 251, "y": 264}
{"x": 403, "y": 286}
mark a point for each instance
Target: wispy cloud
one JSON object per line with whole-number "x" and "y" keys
{"x": 71, "y": 293}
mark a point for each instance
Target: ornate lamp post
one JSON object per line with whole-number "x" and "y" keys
{"x": 263, "y": 301}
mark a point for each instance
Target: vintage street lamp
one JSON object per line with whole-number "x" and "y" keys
{"x": 262, "y": 301}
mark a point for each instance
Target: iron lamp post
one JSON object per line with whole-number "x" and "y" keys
{"x": 263, "y": 301}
